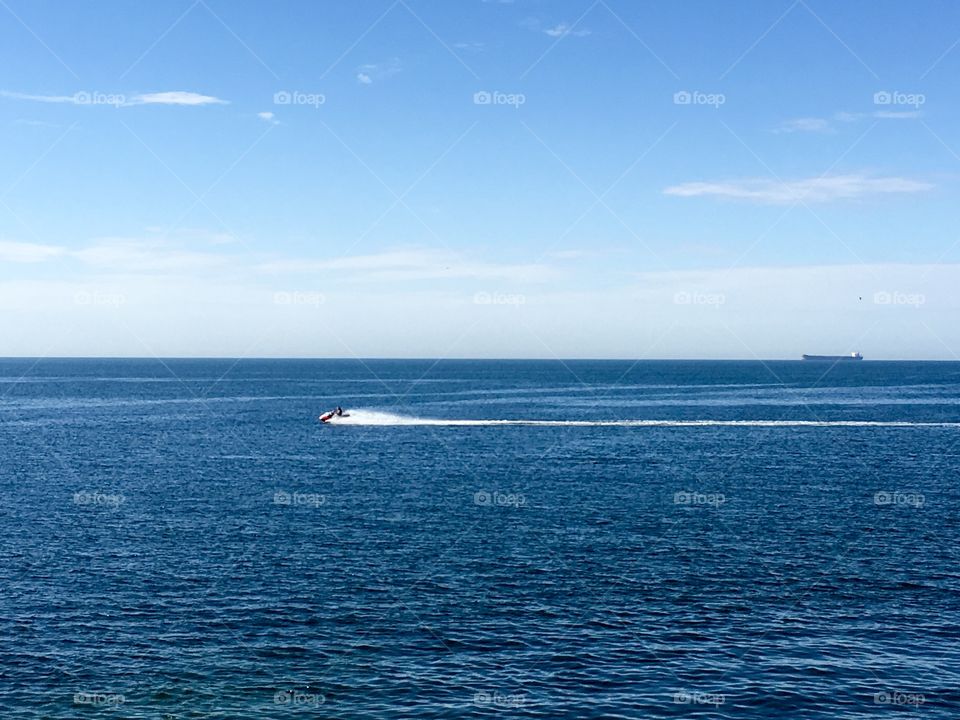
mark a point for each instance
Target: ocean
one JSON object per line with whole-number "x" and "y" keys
{"x": 479, "y": 539}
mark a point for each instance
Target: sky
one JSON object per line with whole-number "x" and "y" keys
{"x": 480, "y": 178}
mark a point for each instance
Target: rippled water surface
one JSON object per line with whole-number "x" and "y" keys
{"x": 183, "y": 539}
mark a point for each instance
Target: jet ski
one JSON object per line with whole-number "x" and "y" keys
{"x": 333, "y": 414}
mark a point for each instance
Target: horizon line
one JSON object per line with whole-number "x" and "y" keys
{"x": 235, "y": 358}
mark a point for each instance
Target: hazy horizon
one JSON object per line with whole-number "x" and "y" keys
{"x": 454, "y": 358}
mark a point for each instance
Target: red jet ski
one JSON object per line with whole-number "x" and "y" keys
{"x": 328, "y": 416}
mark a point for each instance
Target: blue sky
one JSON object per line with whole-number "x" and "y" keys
{"x": 479, "y": 178}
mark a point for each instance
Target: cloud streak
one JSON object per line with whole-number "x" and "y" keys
{"x": 158, "y": 257}
{"x": 811, "y": 124}
{"x": 177, "y": 97}
{"x": 563, "y": 29}
{"x": 74, "y": 99}
{"x": 117, "y": 255}
{"x": 84, "y": 97}
{"x": 370, "y": 72}
{"x": 813, "y": 190}
{"x": 826, "y": 125}
{"x": 403, "y": 265}
{"x": 17, "y": 252}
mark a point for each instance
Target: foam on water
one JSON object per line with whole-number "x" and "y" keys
{"x": 374, "y": 417}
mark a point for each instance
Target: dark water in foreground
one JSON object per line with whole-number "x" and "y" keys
{"x": 184, "y": 540}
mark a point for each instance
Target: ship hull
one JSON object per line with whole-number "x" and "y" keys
{"x": 858, "y": 356}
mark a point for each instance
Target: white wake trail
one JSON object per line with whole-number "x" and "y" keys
{"x": 373, "y": 417}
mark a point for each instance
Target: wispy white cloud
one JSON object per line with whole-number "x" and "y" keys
{"x": 18, "y": 252}
{"x": 897, "y": 114}
{"x": 370, "y": 72}
{"x": 176, "y": 97}
{"x": 268, "y": 117}
{"x": 809, "y": 124}
{"x": 568, "y": 254}
{"x": 563, "y": 29}
{"x": 74, "y": 99}
{"x": 816, "y": 189}
{"x": 470, "y": 46}
{"x": 826, "y": 125}
{"x": 403, "y": 265}
{"x": 123, "y": 255}
{"x": 850, "y": 117}
{"x": 191, "y": 236}
{"x": 84, "y": 97}
{"x": 35, "y": 123}
{"x": 152, "y": 255}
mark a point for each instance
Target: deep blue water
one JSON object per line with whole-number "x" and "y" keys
{"x": 182, "y": 539}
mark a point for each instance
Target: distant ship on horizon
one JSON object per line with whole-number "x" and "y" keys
{"x": 851, "y": 356}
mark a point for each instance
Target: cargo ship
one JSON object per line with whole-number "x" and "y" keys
{"x": 851, "y": 356}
